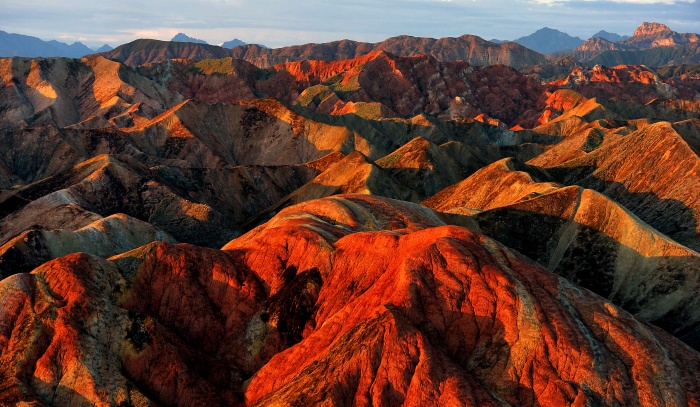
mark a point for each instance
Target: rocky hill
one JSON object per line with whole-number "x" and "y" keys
{"x": 378, "y": 230}
{"x": 469, "y": 48}
{"x": 652, "y": 44}
{"x": 280, "y": 307}
{"x": 144, "y": 51}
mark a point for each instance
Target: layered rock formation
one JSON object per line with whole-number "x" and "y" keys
{"x": 283, "y": 306}
{"x": 68, "y": 91}
{"x": 105, "y": 238}
{"x": 585, "y": 183}
{"x": 641, "y": 47}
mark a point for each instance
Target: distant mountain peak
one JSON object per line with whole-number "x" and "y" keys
{"x": 19, "y": 45}
{"x": 547, "y": 29}
{"x": 612, "y": 37}
{"x": 181, "y": 37}
{"x": 104, "y": 48}
{"x": 651, "y": 29}
{"x": 548, "y": 40}
{"x": 233, "y": 43}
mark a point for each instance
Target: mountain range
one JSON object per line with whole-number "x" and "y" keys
{"x": 652, "y": 44}
{"x": 387, "y": 224}
{"x": 469, "y": 48}
{"x": 27, "y": 46}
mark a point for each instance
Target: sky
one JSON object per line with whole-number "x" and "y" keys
{"x": 278, "y": 23}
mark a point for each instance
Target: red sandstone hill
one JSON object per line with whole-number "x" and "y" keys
{"x": 65, "y": 91}
{"x": 438, "y": 315}
{"x": 647, "y": 35}
{"x": 584, "y": 236}
{"x": 651, "y": 44}
{"x": 650, "y": 35}
{"x": 588, "y": 183}
{"x": 375, "y": 86}
{"x": 628, "y": 82}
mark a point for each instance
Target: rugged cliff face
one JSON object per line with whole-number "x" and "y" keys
{"x": 652, "y": 44}
{"x": 380, "y": 230}
{"x": 282, "y": 306}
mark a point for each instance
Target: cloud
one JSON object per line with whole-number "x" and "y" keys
{"x": 668, "y": 2}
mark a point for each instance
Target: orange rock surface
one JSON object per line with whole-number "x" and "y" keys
{"x": 345, "y": 300}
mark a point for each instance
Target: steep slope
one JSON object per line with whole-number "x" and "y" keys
{"x": 437, "y": 315}
{"x": 36, "y": 153}
{"x": 652, "y": 35}
{"x": 423, "y": 166}
{"x": 68, "y": 91}
{"x": 594, "y": 242}
{"x": 501, "y": 183}
{"x": 107, "y": 185}
{"x": 211, "y": 80}
{"x": 633, "y": 83}
{"x": 353, "y": 174}
{"x": 595, "y": 46}
{"x": 419, "y": 84}
{"x": 265, "y": 132}
{"x": 469, "y": 48}
{"x": 427, "y": 168}
{"x": 409, "y": 86}
{"x": 260, "y": 132}
{"x": 554, "y": 70}
{"x": 654, "y": 172}
{"x": 105, "y": 238}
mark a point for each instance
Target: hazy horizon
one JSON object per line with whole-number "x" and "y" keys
{"x": 276, "y": 24}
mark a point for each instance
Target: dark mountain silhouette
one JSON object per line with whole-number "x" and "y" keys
{"x": 609, "y": 36}
{"x": 233, "y": 43}
{"x": 18, "y": 45}
{"x": 104, "y": 48}
{"x": 547, "y": 41}
{"x": 181, "y": 37}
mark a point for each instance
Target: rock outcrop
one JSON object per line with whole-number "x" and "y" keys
{"x": 281, "y": 307}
